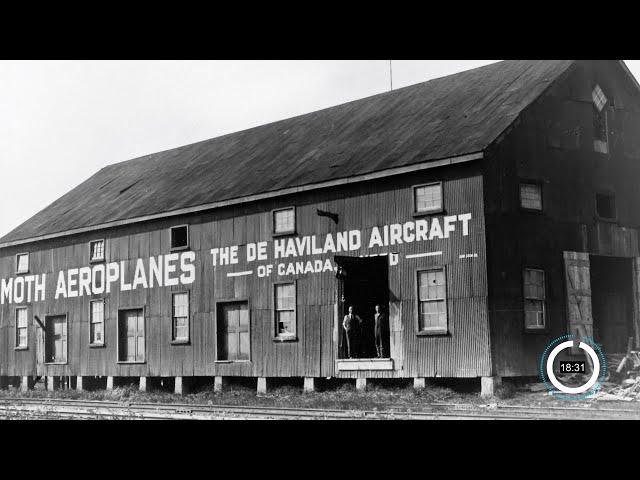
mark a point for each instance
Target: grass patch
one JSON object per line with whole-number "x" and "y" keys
{"x": 505, "y": 391}
{"x": 335, "y": 395}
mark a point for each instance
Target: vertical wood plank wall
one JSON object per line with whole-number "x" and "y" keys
{"x": 463, "y": 352}
{"x": 552, "y": 143}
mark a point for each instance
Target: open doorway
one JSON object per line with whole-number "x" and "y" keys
{"x": 612, "y": 302}
{"x": 363, "y": 283}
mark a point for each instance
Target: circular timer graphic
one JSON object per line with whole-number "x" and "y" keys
{"x": 598, "y": 366}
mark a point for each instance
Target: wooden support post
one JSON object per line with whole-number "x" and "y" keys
{"x": 309, "y": 384}
{"x": 179, "y": 386}
{"x": 419, "y": 383}
{"x": 361, "y": 384}
{"x": 26, "y": 383}
{"x": 262, "y": 385}
{"x": 109, "y": 383}
{"x": 79, "y": 385}
{"x": 53, "y": 383}
{"x": 219, "y": 383}
{"x": 488, "y": 386}
{"x": 143, "y": 384}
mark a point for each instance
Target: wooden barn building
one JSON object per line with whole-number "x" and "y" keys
{"x": 486, "y": 212}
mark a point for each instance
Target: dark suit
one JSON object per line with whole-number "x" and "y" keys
{"x": 351, "y": 325}
{"x": 380, "y": 332}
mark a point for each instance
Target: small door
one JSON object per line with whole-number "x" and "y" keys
{"x": 234, "y": 335}
{"x": 56, "y": 339}
{"x": 132, "y": 340}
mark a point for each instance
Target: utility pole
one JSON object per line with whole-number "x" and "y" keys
{"x": 391, "y": 74}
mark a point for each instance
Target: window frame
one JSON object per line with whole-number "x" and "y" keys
{"x": 104, "y": 323}
{"x": 181, "y": 341}
{"x": 417, "y": 213}
{"x": 178, "y": 249}
{"x": 431, "y": 331}
{"x": 18, "y": 255}
{"x": 601, "y": 93}
{"x": 540, "y": 185}
{"x": 66, "y": 320}
{"x": 544, "y": 329}
{"x": 609, "y": 193}
{"x": 218, "y": 305}
{"x": 144, "y": 318}
{"x": 16, "y": 345}
{"x": 274, "y": 313}
{"x": 601, "y": 145}
{"x": 104, "y": 251}
{"x": 273, "y": 221}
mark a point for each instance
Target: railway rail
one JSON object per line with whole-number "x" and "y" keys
{"x": 39, "y": 408}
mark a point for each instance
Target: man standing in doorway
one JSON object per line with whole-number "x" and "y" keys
{"x": 351, "y": 325}
{"x": 380, "y": 330}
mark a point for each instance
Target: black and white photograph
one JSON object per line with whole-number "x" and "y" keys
{"x": 319, "y": 240}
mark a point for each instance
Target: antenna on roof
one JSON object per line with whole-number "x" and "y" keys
{"x": 390, "y": 75}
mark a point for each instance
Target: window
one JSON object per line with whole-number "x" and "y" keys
{"x": 56, "y": 339}
{"x": 285, "y": 310}
{"x": 534, "y": 299}
{"x": 599, "y": 120}
{"x": 180, "y": 326}
{"x": 284, "y": 221}
{"x": 22, "y": 263}
{"x": 432, "y": 301}
{"x": 606, "y": 205}
{"x": 428, "y": 198}
{"x": 599, "y": 99}
{"x": 531, "y": 196}
{"x": 96, "y": 320}
{"x": 131, "y": 336}
{"x": 179, "y": 237}
{"x": 234, "y": 339}
{"x": 97, "y": 250}
{"x": 22, "y": 329}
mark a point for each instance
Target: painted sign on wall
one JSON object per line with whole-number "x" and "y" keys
{"x": 179, "y": 268}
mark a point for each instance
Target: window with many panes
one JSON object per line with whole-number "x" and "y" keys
{"x": 432, "y": 301}
{"x": 531, "y": 196}
{"x": 22, "y": 329}
{"x": 534, "y": 299}
{"x": 284, "y": 220}
{"x": 599, "y": 120}
{"x": 22, "y": 263}
{"x": 599, "y": 98}
{"x": 96, "y": 249}
{"x": 96, "y": 322}
{"x": 180, "y": 237}
{"x": 285, "y": 310}
{"x": 428, "y": 198}
{"x": 180, "y": 326}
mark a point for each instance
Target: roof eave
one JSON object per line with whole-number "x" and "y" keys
{"x": 261, "y": 196}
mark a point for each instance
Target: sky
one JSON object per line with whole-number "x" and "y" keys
{"x": 62, "y": 121}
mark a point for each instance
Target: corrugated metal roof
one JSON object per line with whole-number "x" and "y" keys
{"x": 445, "y": 117}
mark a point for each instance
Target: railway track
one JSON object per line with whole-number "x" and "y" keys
{"x": 38, "y": 408}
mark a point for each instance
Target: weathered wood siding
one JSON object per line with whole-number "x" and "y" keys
{"x": 463, "y": 352}
{"x": 552, "y": 142}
